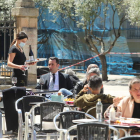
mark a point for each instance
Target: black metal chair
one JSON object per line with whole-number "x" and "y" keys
{"x": 91, "y": 131}
{"x": 66, "y": 121}
{"x": 134, "y": 137}
{"x": 48, "y": 111}
{"x": 25, "y": 102}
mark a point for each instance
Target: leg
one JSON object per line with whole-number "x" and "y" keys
{"x": 65, "y": 92}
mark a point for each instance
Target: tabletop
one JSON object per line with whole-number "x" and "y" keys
{"x": 44, "y": 91}
{"x": 117, "y": 125}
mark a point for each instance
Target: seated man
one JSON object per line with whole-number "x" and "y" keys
{"x": 55, "y": 80}
{"x": 80, "y": 85}
{"x": 86, "y": 101}
{"x": 92, "y": 66}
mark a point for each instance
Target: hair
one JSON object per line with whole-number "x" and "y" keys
{"x": 133, "y": 81}
{"x": 69, "y": 72}
{"x": 95, "y": 82}
{"x": 54, "y": 58}
{"x": 92, "y": 66}
{"x": 93, "y": 70}
{"x": 19, "y": 36}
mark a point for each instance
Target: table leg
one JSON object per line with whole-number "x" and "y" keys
{"x": 0, "y": 125}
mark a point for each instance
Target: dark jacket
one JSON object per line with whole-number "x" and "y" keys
{"x": 74, "y": 79}
{"x": 86, "y": 101}
{"x": 64, "y": 81}
{"x": 79, "y": 86}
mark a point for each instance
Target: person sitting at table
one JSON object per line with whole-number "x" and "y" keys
{"x": 55, "y": 80}
{"x": 72, "y": 76}
{"x": 130, "y": 106}
{"x": 86, "y": 101}
{"x": 80, "y": 85}
{"x": 92, "y": 66}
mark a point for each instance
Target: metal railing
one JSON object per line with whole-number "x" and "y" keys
{"x": 7, "y": 26}
{"x": 5, "y": 72}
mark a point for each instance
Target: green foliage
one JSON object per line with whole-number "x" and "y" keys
{"x": 133, "y": 11}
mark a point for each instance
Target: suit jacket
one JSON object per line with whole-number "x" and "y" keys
{"x": 64, "y": 81}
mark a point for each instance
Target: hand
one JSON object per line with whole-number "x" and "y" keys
{"x": 22, "y": 67}
{"x": 85, "y": 89}
{"x": 117, "y": 100}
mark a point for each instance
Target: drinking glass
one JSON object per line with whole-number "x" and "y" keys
{"x": 42, "y": 82}
{"x": 14, "y": 80}
{"x": 118, "y": 115}
{"x": 26, "y": 68}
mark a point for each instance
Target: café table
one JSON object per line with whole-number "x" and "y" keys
{"x": 43, "y": 91}
{"x": 125, "y": 127}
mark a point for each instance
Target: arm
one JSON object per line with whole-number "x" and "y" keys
{"x": 79, "y": 101}
{"x": 11, "y": 64}
{"x": 69, "y": 83}
{"x": 78, "y": 87}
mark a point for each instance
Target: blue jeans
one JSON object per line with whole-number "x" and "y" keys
{"x": 65, "y": 92}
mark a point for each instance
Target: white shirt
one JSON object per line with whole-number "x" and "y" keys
{"x": 54, "y": 86}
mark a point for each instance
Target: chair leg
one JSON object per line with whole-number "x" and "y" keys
{"x": 48, "y": 137}
{"x": 62, "y": 136}
{"x": 0, "y": 125}
{"x": 33, "y": 136}
{"x": 26, "y": 134}
{"x": 20, "y": 134}
{"x": 3, "y": 123}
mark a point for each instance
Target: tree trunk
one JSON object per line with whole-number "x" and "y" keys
{"x": 104, "y": 67}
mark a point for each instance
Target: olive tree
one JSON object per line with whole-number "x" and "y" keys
{"x": 133, "y": 11}
{"x": 85, "y": 13}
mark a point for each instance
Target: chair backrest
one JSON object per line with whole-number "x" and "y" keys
{"x": 92, "y": 110}
{"x": 28, "y": 99}
{"x": 131, "y": 138}
{"x": 105, "y": 106}
{"x": 92, "y": 131}
{"x": 49, "y": 110}
{"x": 9, "y": 97}
{"x": 66, "y": 119}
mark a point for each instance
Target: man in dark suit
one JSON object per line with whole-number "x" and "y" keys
{"x": 55, "y": 80}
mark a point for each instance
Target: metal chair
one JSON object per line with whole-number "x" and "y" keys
{"x": 66, "y": 119}
{"x": 48, "y": 111}
{"x": 91, "y": 131}
{"x": 105, "y": 106}
{"x": 25, "y": 103}
{"x": 134, "y": 137}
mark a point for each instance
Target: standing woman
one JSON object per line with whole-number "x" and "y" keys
{"x": 17, "y": 58}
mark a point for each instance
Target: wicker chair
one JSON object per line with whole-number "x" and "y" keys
{"x": 66, "y": 121}
{"x": 91, "y": 131}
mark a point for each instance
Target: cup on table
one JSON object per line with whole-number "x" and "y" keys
{"x": 118, "y": 115}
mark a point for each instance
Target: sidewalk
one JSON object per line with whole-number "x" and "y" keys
{"x": 117, "y": 85}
